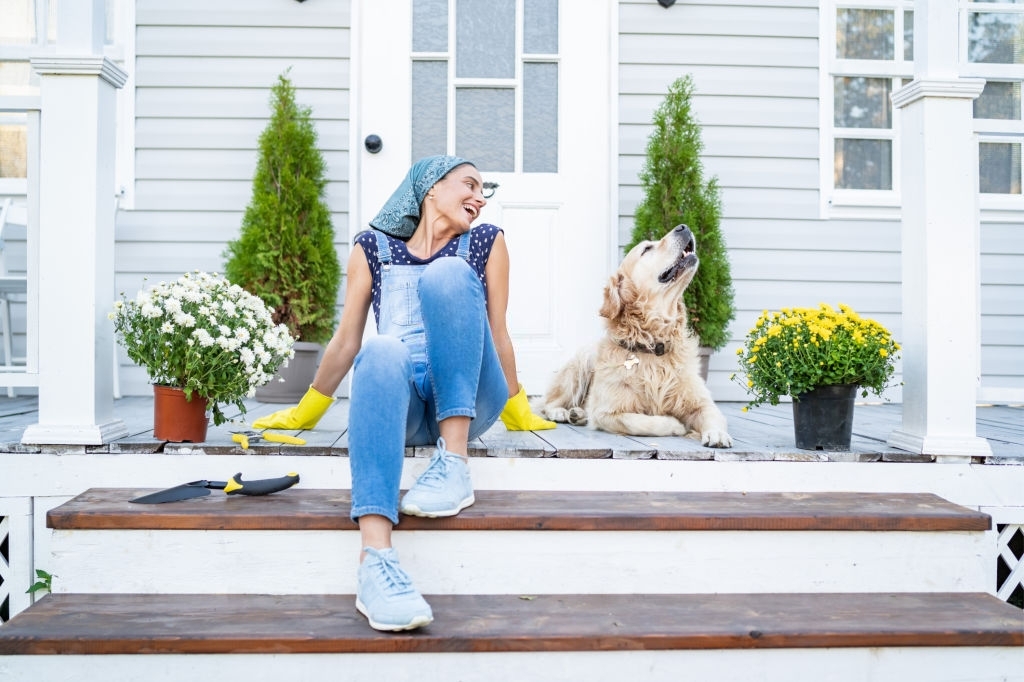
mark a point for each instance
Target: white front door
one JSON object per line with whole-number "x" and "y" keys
{"x": 523, "y": 89}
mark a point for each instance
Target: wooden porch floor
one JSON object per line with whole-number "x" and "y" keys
{"x": 761, "y": 434}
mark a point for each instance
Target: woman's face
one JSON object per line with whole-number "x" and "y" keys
{"x": 458, "y": 197}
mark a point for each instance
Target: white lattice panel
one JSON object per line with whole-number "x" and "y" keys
{"x": 1010, "y": 563}
{"x": 15, "y": 555}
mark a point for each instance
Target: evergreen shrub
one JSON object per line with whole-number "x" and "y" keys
{"x": 285, "y": 253}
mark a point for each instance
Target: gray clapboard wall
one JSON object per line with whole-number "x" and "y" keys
{"x": 756, "y": 68}
{"x": 203, "y": 73}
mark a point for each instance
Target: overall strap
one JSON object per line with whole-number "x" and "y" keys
{"x": 383, "y": 249}
{"x": 464, "y": 246}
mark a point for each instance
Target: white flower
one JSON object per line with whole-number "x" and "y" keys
{"x": 214, "y": 337}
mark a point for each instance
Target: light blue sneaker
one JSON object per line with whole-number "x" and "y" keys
{"x": 444, "y": 489}
{"x": 385, "y": 594}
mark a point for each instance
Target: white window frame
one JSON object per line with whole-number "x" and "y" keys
{"x": 850, "y": 203}
{"x": 989, "y": 130}
{"x": 122, "y": 52}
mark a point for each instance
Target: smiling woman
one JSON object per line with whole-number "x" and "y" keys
{"x": 440, "y": 370}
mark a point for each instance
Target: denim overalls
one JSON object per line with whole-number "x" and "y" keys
{"x": 433, "y": 358}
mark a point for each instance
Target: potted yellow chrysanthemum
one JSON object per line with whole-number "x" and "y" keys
{"x": 817, "y": 353}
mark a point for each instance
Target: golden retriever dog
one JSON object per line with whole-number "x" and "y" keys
{"x": 642, "y": 378}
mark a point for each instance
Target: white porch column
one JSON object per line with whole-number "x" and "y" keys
{"x": 76, "y": 232}
{"x": 941, "y": 285}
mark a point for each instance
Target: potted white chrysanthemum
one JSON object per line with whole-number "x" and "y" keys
{"x": 203, "y": 341}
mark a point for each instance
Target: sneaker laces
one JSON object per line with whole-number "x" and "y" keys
{"x": 393, "y": 579}
{"x": 437, "y": 471}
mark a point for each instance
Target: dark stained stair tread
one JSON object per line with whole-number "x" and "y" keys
{"x": 186, "y": 624}
{"x": 316, "y": 509}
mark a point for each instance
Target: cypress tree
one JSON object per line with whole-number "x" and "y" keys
{"x": 285, "y": 253}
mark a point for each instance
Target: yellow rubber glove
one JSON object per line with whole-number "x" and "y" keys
{"x": 305, "y": 415}
{"x": 518, "y": 417}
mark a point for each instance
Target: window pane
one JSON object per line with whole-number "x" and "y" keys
{"x": 864, "y": 34}
{"x": 13, "y": 146}
{"x": 540, "y": 27}
{"x": 999, "y": 167}
{"x": 863, "y": 164}
{"x": 485, "y": 127}
{"x": 19, "y": 24}
{"x": 999, "y": 100}
{"x": 540, "y": 118}
{"x": 863, "y": 102}
{"x": 430, "y": 26}
{"x": 908, "y": 36}
{"x": 995, "y": 38}
{"x": 429, "y": 108}
{"x": 18, "y": 78}
{"x": 485, "y": 38}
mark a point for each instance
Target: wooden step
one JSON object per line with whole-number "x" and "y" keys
{"x": 301, "y": 541}
{"x": 205, "y": 624}
{"x": 312, "y": 509}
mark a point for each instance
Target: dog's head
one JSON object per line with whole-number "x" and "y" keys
{"x": 652, "y": 277}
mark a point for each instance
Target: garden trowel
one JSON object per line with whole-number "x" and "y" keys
{"x": 235, "y": 486}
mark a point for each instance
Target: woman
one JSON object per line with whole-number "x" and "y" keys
{"x": 440, "y": 371}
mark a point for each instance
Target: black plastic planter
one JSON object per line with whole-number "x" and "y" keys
{"x": 823, "y": 417}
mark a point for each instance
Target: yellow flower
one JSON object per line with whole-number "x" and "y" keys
{"x": 750, "y": 383}
{"x": 883, "y": 352}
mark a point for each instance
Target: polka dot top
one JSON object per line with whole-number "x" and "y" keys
{"x": 480, "y": 243}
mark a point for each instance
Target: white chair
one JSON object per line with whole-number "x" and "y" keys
{"x": 12, "y": 287}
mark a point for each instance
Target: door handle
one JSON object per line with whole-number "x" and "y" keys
{"x": 373, "y": 143}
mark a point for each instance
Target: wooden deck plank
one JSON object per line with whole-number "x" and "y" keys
{"x": 761, "y": 434}
{"x": 315, "y": 509}
{"x": 206, "y": 624}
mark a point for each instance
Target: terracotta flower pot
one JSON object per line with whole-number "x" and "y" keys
{"x": 823, "y": 417}
{"x": 176, "y": 419}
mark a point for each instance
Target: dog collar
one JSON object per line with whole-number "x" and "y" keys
{"x": 658, "y": 348}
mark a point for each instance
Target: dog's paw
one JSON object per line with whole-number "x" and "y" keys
{"x": 716, "y": 439}
{"x": 577, "y": 416}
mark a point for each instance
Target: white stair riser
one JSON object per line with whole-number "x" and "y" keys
{"x": 950, "y": 664}
{"x": 539, "y": 562}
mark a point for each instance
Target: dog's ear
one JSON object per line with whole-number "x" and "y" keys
{"x": 619, "y": 293}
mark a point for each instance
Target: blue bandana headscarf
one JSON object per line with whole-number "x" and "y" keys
{"x": 401, "y": 213}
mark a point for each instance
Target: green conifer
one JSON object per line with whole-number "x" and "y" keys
{"x": 675, "y": 192}
{"x": 286, "y": 254}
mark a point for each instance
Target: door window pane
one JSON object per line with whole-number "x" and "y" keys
{"x": 430, "y": 25}
{"x": 430, "y": 108}
{"x": 863, "y": 102}
{"x": 995, "y": 38}
{"x": 864, "y": 34}
{"x": 485, "y": 127}
{"x": 999, "y": 167}
{"x": 863, "y": 164}
{"x": 485, "y": 42}
{"x": 999, "y": 100}
{"x": 540, "y": 120}
{"x": 540, "y": 27}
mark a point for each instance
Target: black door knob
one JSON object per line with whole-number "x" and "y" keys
{"x": 373, "y": 143}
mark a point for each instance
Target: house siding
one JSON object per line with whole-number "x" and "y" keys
{"x": 203, "y": 73}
